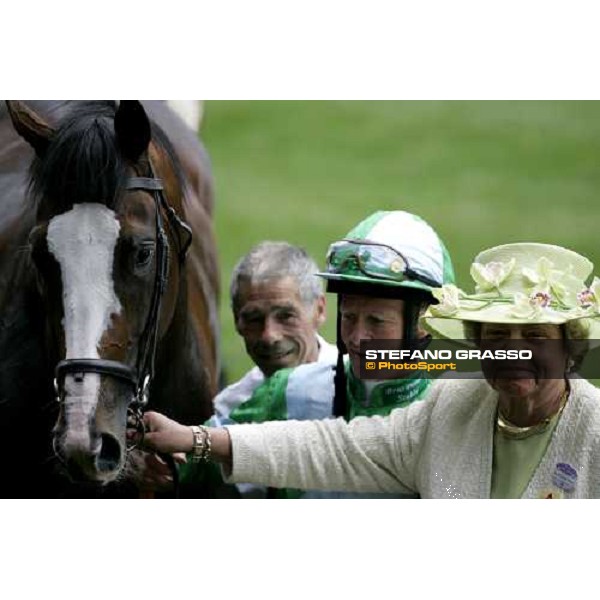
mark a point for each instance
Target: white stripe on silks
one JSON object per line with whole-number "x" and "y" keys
{"x": 420, "y": 244}
{"x": 83, "y": 242}
{"x": 309, "y": 391}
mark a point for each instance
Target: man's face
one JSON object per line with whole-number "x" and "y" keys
{"x": 365, "y": 318}
{"x": 278, "y": 328}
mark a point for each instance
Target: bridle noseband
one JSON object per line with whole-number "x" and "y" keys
{"x": 140, "y": 376}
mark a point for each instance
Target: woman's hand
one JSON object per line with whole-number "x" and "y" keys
{"x": 165, "y": 435}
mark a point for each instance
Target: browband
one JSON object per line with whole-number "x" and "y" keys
{"x": 143, "y": 183}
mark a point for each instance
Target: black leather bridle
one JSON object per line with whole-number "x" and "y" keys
{"x": 139, "y": 377}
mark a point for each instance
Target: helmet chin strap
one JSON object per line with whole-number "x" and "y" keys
{"x": 411, "y": 339}
{"x": 340, "y": 399}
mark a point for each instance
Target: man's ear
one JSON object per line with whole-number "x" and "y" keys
{"x": 235, "y": 313}
{"x": 320, "y": 311}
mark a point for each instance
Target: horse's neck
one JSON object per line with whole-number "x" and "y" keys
{"x": 185, "y": 380}
{"x": 185, "y": 376}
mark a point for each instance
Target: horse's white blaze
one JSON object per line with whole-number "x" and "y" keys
{"x": 83, "y": 243}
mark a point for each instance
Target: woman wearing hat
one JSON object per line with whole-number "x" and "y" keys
{"x": 527, "y": 296}
{"x": 533, "y": 431}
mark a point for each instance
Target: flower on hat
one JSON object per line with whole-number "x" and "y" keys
{"x": 560, "y": 283}
{"x": 540, "y": 298}
{"x": 448, "y": 296}
{"x": 586, "y": 298}
{"x": 589, "y": 298}
{"x": 489, "y": 276}
{"x": 529, "y": 307}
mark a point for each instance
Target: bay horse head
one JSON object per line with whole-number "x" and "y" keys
{"x": 107, "y": 247}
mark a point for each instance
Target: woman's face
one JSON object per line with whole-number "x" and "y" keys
{"x": 524, "y": 377}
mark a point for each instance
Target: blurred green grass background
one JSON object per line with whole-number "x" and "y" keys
{"x": 481, "y": 172}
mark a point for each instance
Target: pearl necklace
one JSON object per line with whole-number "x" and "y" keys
{"x": 509, "y": 430}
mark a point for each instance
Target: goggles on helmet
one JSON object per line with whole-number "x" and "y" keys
{"x": 372, "y": 259}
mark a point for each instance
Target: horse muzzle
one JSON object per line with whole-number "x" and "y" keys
{"x": 90, "y": 434}
{"x": 98, "y": 459}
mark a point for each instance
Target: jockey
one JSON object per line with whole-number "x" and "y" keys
{"x": 392, "y": 259}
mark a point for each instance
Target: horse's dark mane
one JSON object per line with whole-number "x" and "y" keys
{"x": 83, "y": 162}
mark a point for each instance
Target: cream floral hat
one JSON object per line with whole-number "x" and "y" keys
{"x": 520, "y": 283}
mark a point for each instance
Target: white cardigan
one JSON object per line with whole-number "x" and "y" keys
{"x": 440, "y": 447}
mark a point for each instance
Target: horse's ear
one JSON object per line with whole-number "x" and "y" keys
{"x": 30, "y": 126}
{"x": 132, "y": 128}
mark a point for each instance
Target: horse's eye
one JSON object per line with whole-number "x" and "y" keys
{"x": 143, "y": 257}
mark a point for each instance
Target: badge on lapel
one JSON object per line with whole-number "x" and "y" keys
{"x": 564, "y": 477}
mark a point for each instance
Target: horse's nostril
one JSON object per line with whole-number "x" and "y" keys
{"x": 110, "y": 454}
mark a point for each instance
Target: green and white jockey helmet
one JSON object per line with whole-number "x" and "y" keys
{"x": 390, "y": 249}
